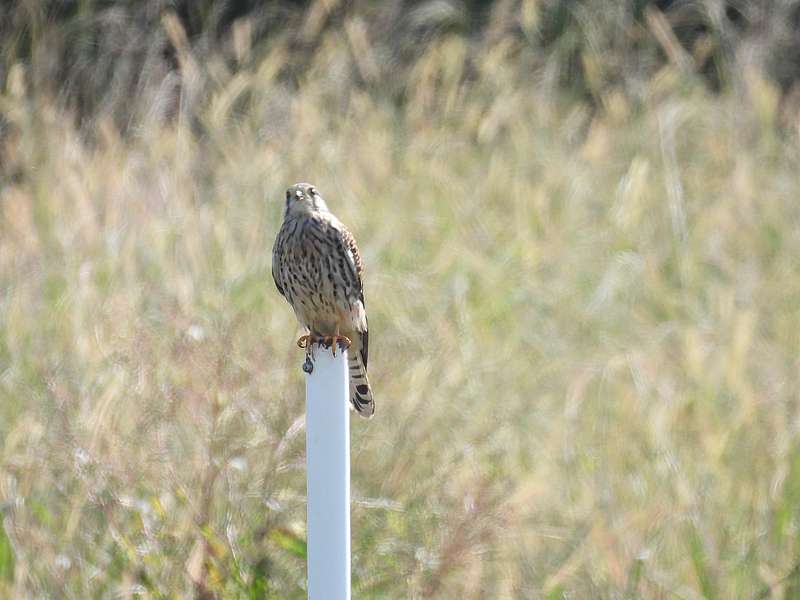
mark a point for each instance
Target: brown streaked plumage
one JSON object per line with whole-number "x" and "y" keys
{"x": 317, "y": 267}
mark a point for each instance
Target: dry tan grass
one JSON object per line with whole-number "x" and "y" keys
{"x": 585, "y": 335}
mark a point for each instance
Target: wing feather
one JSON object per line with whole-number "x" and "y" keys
{"x": 357, "y": 266}
{"x": 354, "y": 258}
{"x": 277, "y": 250}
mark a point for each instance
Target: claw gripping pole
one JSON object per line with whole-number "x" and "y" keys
{"x": 328, "y": 472}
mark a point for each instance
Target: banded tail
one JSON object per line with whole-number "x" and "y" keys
{"x": 360, "y": 390}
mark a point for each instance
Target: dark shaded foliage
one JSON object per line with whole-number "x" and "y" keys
{"x": 96, "y": 54}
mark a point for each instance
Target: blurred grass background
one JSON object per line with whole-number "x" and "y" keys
{"x": 581, "y": 231}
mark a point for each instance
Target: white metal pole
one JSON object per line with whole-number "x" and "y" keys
{"x": 328, "y": 464}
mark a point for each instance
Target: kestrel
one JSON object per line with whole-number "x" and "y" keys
{"x": 317, "y": 268}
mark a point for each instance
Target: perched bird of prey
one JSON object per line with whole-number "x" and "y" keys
{"x": 317, "y": 268}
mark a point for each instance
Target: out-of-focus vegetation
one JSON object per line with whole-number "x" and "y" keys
{"x": 580, "y": 227}
{"x": 126, "y": 57}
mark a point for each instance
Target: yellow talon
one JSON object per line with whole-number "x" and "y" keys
{"x": 331, "y": 341}
{"x": 307, "y": 342}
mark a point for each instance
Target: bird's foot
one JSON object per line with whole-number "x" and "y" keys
{"x": 308, "y": 340}
{"x": 331, "y": 341}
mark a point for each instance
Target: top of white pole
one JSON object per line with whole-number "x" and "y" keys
{"x": 328, "y": 462}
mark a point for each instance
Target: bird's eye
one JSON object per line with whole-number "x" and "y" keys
{"x": 312, "y": 190}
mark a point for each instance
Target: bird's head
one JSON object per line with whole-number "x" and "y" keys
{"x": 303, "y": 198}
